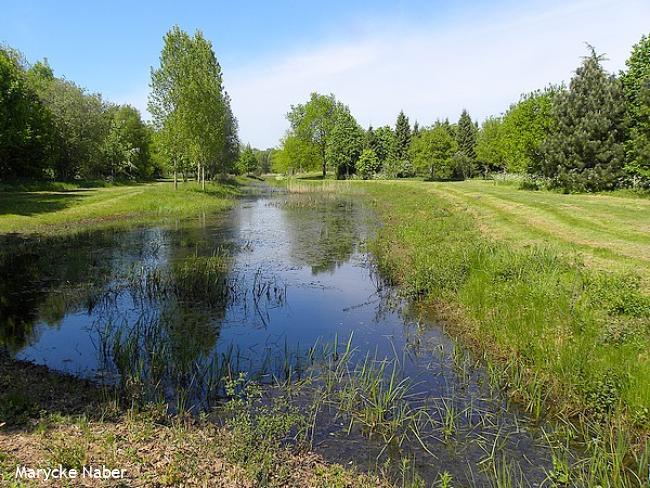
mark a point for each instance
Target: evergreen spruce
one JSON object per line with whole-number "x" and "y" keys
{"x": 370, "y": 140}
{"x": 466, "y": 138}
{"x": 402, "y": 137}
{"x": 584, "y": 150}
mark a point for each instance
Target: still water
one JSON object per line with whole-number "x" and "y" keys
{"x": 285, "y": 272}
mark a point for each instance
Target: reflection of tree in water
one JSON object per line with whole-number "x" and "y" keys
{"x": 323, "y": 230}
{"x": 46, "y": 279}
{"x": 42, "y": 281}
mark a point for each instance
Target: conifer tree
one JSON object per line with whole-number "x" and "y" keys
{"x": 370, "y": 140}
{"x": 584, "y": 149}
{"x": 402, "y": 137}
{"x": 466, "y": 139}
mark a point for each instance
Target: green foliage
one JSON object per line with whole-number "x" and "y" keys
{"x": 126, "y": 147}
{"x": 25, "y": 124}
{"x": 584, "y": 149}
{"x": 466, "y": 137}
{"x": 526, "y": 125}
{"x": 491, "y": 151}
{"x": 50, "y": 127}
{"x": 188, "y": 102}
{"x": 81, "y": 127}
{"x": 345, "y": 143}
{"x": 401, "y": 164}
{"x": 264, "y": 159}
{"x": 368, "y": 164}
{"x": 313, "y": 122}
{"x": 636, "y": 83}
{"x": 385, "y": 149}
{"x": 402, "y": 136}
{"x": 296, "y": 154}
{"x": 247, "y": 161}
{"x": 433, "y": 150}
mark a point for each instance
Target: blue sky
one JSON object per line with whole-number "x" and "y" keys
{"x": 430, "y": 58}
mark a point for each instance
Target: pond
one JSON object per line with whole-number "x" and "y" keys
{"x": 258, "y": 289}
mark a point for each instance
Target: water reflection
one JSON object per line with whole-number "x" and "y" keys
{"x": 166, "y": 312}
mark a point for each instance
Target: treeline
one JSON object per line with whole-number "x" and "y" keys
{"x": 52, "y": 128}
{"x": 591, "y": 135}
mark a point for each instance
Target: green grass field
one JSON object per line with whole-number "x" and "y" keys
{"x": 67, "y": 208}
{"x": 610, "y": 232}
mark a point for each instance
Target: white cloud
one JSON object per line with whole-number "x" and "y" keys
{"x": 482, "y": 64}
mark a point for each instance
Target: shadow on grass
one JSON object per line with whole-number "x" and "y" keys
{"x": 31, "y": 203}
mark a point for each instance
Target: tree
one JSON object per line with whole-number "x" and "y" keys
{"x": 491, "y": 153}
{"x": 230, "y": 150}
{"x": 345, "y": 143}
{"x": 385, "y": 150}
{"x": 466, "y": 139}
{"x": 526, "y": 126}
{"x": 126, "y": 147}
{"x": 296, "y": 154}
{"x": 26, "y": 129}
{"x": 187, "y": 98}
{"x": 584, "y": 150}
{"x": 402, "y": 144}
{"x": 81, "y": 125}
{"x": 636, "y": 84}
{"x": 370, "y": 139}
{"x": 368, "y": 164}
{"x": 247, "y": 161}
{"x": 433, "y": 150}
{"x": 314, "y": 121}
{"x": 264, "y": 158}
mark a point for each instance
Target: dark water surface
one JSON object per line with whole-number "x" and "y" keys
{"x": 294, "y": 273}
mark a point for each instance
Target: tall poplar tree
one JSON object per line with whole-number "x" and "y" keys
{"x": 188, "y": 100}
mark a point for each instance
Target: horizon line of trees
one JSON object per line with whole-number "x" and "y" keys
{"x": 50, "y": 128}
{"x": 591, "y": 135}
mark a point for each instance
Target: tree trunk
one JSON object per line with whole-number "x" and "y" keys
{"x": 175, "y": 180}
{"x": 203, "y": 177}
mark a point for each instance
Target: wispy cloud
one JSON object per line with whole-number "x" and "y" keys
{"x": 431, "y": 71}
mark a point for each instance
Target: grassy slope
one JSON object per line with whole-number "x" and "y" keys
{"x": 551, "y": 287}
{"x": 69, "y": 208}
{"x": 610, "y": 231}
{"x": 582, "y": 330}
{"x": 512, "y": 259}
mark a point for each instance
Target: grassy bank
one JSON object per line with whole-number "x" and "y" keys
{"x": 550, "y": 289}
{"x": 64, "y": 208}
